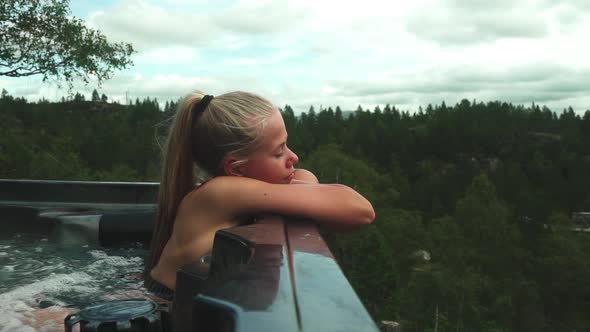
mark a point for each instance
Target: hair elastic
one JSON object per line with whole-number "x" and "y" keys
{"x": 201, "y": 106}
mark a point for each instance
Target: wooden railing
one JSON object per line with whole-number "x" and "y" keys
{"x": 276, "y": 274}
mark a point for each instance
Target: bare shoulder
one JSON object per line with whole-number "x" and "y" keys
{"x": 221, "y": 191}
{"x": 208, "y": 208}
{"x": 218, "y": 188}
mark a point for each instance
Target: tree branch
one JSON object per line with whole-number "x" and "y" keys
{"x": 38, "y": 37}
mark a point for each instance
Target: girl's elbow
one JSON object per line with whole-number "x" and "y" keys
{"x": 372, "y": 215}
{"x": 364, "y": 217}
{"x": 360, "y": 212}
{"x": 353, "y": 220}
{"x": 366, "y": 213}
{"x": 368, "y": 216}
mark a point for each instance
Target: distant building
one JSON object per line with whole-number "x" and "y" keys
{"x": 490, "y": 164}
{"x": 581, "y": 219}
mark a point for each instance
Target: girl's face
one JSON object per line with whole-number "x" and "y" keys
{"x": 273, "y": 162}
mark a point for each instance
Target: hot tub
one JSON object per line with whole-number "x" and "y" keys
{"x": 65, "y": 245}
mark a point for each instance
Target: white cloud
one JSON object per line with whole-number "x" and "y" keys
{"x": 178, "y": 55}
{"x": 149, "y": 25}
{"x": 131, "y": 86}
{"x": 541, "y": 82}
{"x": 328, "y": 90}
{"x": 258, "y": 61}
{"x": 472, "y": 22}
{"x": 344, "y": 53}
{"x": 259, "y": 17}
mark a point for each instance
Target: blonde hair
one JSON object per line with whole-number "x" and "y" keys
{"x": 230, "y": 126}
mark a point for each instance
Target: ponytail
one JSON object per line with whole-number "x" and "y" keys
{"x": 178, "y": 176}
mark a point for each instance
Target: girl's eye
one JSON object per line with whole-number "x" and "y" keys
{"x": 282, "y": 152}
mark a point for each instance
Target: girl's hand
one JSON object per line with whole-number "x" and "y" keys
{"x": 295, "y": 181}
{"x": 303, "y": 176}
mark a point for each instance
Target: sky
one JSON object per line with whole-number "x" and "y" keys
{"x": 345, "y": 53}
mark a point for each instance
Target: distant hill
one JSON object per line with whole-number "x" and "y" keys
{"x": 345, "y": 114}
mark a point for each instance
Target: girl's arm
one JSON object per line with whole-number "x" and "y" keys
{"x": 335, "y": 207}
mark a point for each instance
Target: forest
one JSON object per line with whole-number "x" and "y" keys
{"x": 474, "y": 201}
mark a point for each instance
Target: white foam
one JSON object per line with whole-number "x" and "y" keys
{"x": 54, "y": 266}
{"x": 117, "y": 261}
{"x": 12, "y": 320}
{"x": 107, "y": 265}
{"x": 21, "y": 303}
{"x": 11, "y": 323}
{"x": 15, "y": 304}
{"x": 8, "y": 268}
{"x": 98, "y": 254}
{"x": 33, "y": 319}
{"x": 53, "y": 283}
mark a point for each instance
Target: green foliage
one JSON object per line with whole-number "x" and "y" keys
{"x": 472, "y": 201}
{"x": 78, "y": 140}
{"x": 331, "y": 165}
{"x": 41, "y": 38}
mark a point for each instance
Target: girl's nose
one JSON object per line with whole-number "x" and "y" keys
{"x": 293, "y": 159}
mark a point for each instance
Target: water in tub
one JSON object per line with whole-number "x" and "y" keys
{"x": 42, "y": 280}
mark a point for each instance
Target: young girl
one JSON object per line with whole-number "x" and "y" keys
{"x": 239, "y": 139}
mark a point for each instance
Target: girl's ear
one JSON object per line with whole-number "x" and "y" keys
{"x": 234, "y": 166}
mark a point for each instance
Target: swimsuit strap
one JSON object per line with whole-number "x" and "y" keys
{"x": 158, "y": 289}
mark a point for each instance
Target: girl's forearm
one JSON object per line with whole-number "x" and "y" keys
{"x": 294, "y": 181}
